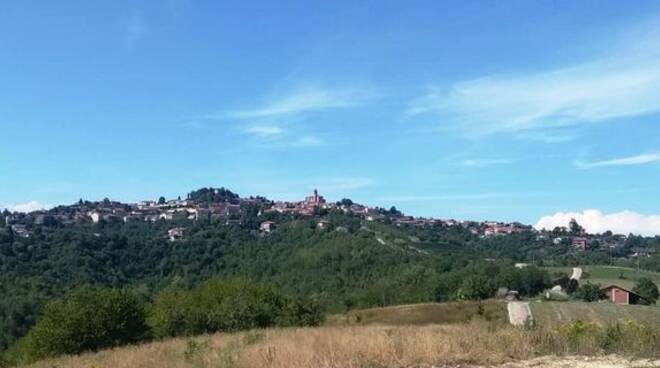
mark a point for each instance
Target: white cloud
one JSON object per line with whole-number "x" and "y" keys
{"x": 624, "y": 161}
{"x": 626, "y": 84}
{"x": 27, "y": 207}
{"x": 302, "y": 101}
{"x": 594, "y": 221}
{"x": 265, "y": 131}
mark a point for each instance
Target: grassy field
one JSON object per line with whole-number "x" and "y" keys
{"x": 422, "y": 335}
{"x": 424, "y": 314}
{"x": 607, "y": 275}
{"x": 557, "y": 313}
{"x": 474, "y": 343}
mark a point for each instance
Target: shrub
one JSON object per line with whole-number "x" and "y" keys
{"x": 647, "y": 289}
{"x": 589, "y": 292}
{"x": 475, "y": 287}
{"x": 226, "y": 306}
{"x": 86, "y": 319}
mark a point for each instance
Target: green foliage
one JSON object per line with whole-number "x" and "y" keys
{"x": 647, "y": 289}
{"x": 232, "y": 305}
{"x": 589, "y": 292}
{"x": 87, "y": 319}
{"x": 212, "y": 195}
{"x": 629, "y": 339}
{"x": 475, "y": 287}
{"x": 339, "y": 270}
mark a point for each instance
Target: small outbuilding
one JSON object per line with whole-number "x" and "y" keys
{"x": 619, "y": 295}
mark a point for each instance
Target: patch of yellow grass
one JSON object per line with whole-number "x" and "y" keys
{"x": 328, "y": 347}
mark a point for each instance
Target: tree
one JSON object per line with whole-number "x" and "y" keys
{"x": 475, "y": 287}
{"x": 221, "y": 305}
{"x": 345, "y": 202}
{"x": 161, "y": 200}
{"x": 589, "y": 292}
{"x": 87, "y": 319}
{"x": 575, "y": 228}
{"x": 647, "y": 289}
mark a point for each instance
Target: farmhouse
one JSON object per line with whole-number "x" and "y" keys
{"x": 618, "y": 295}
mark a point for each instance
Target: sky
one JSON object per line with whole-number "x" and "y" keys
{"x": 501, "y": 110}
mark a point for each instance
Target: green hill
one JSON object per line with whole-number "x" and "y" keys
{"x": 604, "y": 313}
{"x": 607, "y": 275}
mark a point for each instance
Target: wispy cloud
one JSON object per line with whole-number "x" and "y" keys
{"x": 612, "y": 87}
{"x": 307, "y": 141}
{"x": 265, "y": 131}
{"x": 624, "y": 161}
{"x": 546, "y": 137}
{"x": 595, "y": 221}
{"x": 297, "y": 102}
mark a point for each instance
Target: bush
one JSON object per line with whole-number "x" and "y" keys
{"x": 87, "y": 319}
{"x": 647, "y": 289}
{"x": 589, "y": 292}
{"x": 475, "y": 287}
{"x": 226, "y": 306}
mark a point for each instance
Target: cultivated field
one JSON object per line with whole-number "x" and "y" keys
{"x": 557, "y": 313}
{"x": 607, "y": 275}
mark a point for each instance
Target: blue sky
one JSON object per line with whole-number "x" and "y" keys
{"x": 506, "y": 110}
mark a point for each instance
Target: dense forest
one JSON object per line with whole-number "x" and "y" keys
{"x": 348, "y": 263}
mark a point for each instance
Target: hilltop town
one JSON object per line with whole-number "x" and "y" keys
{"x": 224, "y": 206}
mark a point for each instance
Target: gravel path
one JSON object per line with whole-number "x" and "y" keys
{"x": 519, "y": 313}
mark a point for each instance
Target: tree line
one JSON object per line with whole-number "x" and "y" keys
{"x": 89, "y": 319}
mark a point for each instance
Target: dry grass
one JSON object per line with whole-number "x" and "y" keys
{"x": 424, "y": 314}
{"x": 476, "y": 342}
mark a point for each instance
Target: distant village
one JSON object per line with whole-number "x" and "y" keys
{"x": 227, "y": 207}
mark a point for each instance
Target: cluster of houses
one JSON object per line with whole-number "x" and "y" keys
{"x": 232, "y": 210}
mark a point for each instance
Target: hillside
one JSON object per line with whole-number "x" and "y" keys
{"x": 424, "y": 314}
{"x": 348, "y": 263}
{"x": 335, "y": 257}
{"x": 609, "y": 275}
{"x": 472, "y": 344}
{"x": 604, "y": 313}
